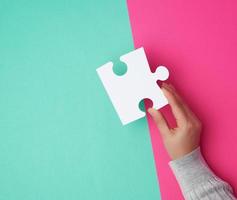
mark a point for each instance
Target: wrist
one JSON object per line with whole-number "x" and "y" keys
{"x": 180, "y": 152}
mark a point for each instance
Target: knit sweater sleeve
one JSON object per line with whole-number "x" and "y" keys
{"x": 196, "y": 179}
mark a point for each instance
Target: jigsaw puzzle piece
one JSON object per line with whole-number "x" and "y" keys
{"x": 135, "y": 85}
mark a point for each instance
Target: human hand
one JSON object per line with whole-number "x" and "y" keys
{"x": 184, "y": 138}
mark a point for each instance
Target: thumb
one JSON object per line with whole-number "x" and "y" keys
{"x": 160, "y": 121}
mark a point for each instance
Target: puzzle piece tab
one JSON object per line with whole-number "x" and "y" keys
{"x": 136, "y": 84}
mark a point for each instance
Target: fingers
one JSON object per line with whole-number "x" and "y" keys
{"x": 176, "y": 104}
{"x": 160, "y": 121}
{"x": 188, "y": 112}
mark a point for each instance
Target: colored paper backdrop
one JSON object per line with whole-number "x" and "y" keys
{"x": 60, "y": 137}
{"x": 197, "y": 41}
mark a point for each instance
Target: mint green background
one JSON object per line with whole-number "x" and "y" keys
{"x": 60, "y": 137}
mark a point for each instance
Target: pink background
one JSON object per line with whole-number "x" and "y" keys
{"x": 197, "y": 41}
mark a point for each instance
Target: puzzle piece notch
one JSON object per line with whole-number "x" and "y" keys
{"x": 136, "y": 84}
{"x": 142, "y": 106}
{"x": 119, "y": 68}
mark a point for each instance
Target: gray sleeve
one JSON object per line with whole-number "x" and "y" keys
{"x": 197, "y": 181}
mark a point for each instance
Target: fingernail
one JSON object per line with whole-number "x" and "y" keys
{"x": 172, "y": 87}
{"x": 164, "y": 84}
{"x": 165, "y": 87}
{"x": 149, "y": 110}
{"x": 168, "y": 87}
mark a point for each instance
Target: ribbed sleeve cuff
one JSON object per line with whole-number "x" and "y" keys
{"x": 191, "y": 170}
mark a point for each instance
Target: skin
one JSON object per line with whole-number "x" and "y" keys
{"x": 184, "y": 138}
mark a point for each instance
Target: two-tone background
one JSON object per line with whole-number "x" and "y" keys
{"x": 60, "y": 137}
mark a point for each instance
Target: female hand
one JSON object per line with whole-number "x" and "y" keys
{"x": 184, "y": 138}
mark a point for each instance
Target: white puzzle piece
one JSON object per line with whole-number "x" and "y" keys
{"x": 136, "y": 84}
